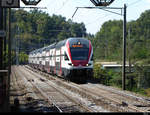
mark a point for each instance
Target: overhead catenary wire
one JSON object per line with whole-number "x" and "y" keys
{"x": 135, "y": 2}
{"x": 102, "y": 8}
{"x": 64, "y": 3}
{"x": 51, "y": 3}
{"x": 98, "y": 19}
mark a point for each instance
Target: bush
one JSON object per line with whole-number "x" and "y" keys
{"x": 116, "y": 79}
{"x": 147, "y": 91}
{"x": 101, "y": 74}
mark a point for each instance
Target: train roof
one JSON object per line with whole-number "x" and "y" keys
{"x": 35, "y": 51}
{"x": 50, "y": 46}
{"x": 61, "y": 43}
{"x": 58, "y": 45}
{"x": 77, "y": 38}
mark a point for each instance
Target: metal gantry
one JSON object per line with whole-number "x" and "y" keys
{"x": 101, "y": 2}
{"x": 31, "y": 2}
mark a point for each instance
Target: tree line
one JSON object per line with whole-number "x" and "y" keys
{"x": 35, "y": 29}
{"x": 108, "y": 41}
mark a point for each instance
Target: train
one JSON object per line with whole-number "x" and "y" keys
{"x": 71, "y": 59}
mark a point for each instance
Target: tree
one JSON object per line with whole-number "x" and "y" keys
{"x": 36, "y": 29}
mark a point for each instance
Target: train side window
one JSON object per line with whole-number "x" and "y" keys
{"x": 66, "y": 57}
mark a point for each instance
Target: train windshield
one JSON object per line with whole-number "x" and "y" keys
{"x": 79, "y": 54}
{"x": 79, "y": 49}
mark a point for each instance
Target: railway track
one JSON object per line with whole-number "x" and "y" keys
{"x": 29, "y": 99}
{"x": 38, "y": 83}
{"x": 108, "y": 98}
{"x": 137, "y": 103}
{"x": 38, "y": 90}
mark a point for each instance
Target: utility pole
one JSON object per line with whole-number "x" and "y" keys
{"x": 9, "y": 53}
{"x": 107, "y": 2}
{"x": 4, "y": 27}
{"x": 1, "y": 38}
{"x": 1, "y": 61}
{"x": 9, "y": 40}
{"x": 124, "y": 51}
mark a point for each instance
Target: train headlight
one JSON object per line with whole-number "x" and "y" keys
{"x": 88, "y": 64}
{"x": 70, "y": 64}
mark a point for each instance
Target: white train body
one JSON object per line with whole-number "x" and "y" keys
{"x": 71, "y": 58}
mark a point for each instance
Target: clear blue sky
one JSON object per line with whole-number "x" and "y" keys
{"x": 93, "y": 18}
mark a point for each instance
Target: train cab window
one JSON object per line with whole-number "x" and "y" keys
{"x": 66, "y": 57}
{"x": 79, "y": 53}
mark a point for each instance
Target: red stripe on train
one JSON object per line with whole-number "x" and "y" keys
{"x": 68, "y": 48}
{"x": 90, "y": 49}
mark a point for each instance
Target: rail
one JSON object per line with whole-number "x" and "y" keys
{"x": 3, "y": 71}
{"x": 130, "y": 106}
{"x": 85, "y": 107}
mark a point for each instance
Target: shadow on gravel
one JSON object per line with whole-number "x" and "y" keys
{"x": 33, "y": 105}
{"x": 93, "y": 81}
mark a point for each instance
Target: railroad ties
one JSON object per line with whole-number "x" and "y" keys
{"x": 37, "y": 91}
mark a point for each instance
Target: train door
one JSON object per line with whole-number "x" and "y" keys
{"x": 60, "y": 71}
{"x": 58, "y": 61}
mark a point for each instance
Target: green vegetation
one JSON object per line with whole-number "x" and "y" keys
{"x": 108, "y": 41}
{"x": 107, "y": 45}
{"x": 137, "y": 81}
{"x": 101, "y": 74}
{"x": 35, "y": 29}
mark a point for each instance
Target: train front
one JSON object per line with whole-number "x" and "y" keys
{"x": 80, "y": 53}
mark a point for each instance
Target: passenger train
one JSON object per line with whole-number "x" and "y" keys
{"x": 71, "y": 59}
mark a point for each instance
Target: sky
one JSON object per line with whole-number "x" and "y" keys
{"x": 93, "y": 18}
